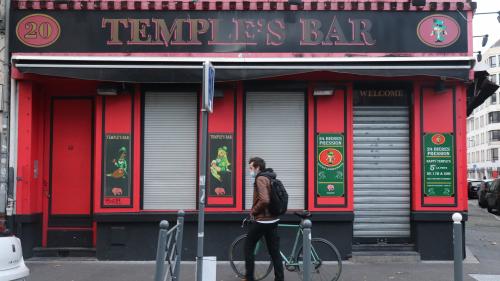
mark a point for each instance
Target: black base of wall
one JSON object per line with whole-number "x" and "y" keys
{"x": 138, "y": 240}
{"x": 433, "y": 233}
{"x": 29, "y": 229}
{"x": 122, "y": 237}
{"x": 69, "y": 238}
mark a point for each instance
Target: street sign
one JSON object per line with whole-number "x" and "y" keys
{"x": 208, "y": 86}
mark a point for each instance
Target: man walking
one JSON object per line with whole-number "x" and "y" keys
{"x": 265, "y": 225}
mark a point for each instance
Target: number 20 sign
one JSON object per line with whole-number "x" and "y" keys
{"x": 38, "y": 30}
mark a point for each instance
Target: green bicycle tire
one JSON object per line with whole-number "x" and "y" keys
{"x": 334, "y": 257}
{"x": 232, "y": 255}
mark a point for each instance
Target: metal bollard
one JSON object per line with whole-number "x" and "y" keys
{"x": 306, "y": 252}
{"x": 178, "y": 244}
{"x": 457, "y": 247}
{"x": 161, "y": 254}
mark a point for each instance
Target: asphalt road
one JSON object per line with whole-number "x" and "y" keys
{"x": 483, "y": 263}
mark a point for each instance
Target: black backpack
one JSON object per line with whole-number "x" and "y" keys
{"x": 279, "y": 198}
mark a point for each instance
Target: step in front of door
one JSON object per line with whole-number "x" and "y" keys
{"x": 385, "y": 257}
{"x": 383, "y": 247}
{"x": 64, "y": 252}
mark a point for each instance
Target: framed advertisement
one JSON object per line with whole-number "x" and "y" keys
{"x": 438, "y": 165}
{"x": 220, "y": 167}
{"x": 330, "y": 165}
{"x": 117, "y": 170}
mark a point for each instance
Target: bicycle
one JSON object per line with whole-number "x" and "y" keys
{"x": 325, "y": 258}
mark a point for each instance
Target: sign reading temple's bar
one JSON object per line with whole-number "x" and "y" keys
{"x": 293, "y": 32}
{"x": 439, "y": 172}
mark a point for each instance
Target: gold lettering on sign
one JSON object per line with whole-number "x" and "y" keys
{"x": 382, "y": 93}
{"x": 138, "y": 31}
{"x": 164, "y": 34}
{"x": 114, "y": 25}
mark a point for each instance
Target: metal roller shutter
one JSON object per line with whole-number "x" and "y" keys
{"x": 381, "y": 171}
{"x": 170, "y": 145}
{"x": 275, "y": 131}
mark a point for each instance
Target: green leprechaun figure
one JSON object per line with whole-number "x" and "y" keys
{"x": 220, "y": 171}
{"x": 439, "y": 30}
{"x": 120, "y": 172}
{"x": 121, "y": 164}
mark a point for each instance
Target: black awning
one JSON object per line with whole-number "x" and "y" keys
{"x": 191, "y": 72}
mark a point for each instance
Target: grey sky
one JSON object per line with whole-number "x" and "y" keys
{"x": 486, "y": 24}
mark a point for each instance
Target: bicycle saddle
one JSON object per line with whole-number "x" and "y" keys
{"x": 303, "y": 214}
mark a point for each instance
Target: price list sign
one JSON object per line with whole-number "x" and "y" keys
{"x": 439, "y": 165}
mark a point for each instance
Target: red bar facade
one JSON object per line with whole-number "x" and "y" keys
{"x": 108, "y": 134}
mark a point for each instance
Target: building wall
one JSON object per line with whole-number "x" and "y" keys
{"x": 3, "y": 193}
{"x": 483, "y": 159}
{"x": 432, "y": 112}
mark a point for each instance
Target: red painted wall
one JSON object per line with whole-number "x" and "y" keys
{"x": 30, "y": 131}
{"x": 439, "y": 112}
{"x": 118, "y": 120}
{"x": 33, "y": 139}
{"x": 223, "y": 120}
{"x": 120, "y": 114}
{"x": 461, "y": 137}
{"x": 330, "y": 114}
{"x": 24, "y": 149}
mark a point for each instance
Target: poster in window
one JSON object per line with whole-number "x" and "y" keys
{"x": 439, "y": 165}
{"x": 330, "y": 165}
{"x": 117, "y": 170}
{"x": 220, "y": 165}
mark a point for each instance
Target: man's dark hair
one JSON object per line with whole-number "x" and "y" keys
{"x": 258, "y": 162}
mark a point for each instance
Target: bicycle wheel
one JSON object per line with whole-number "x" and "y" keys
{"x": 263, "y": 265}
{"x": 326, "y": 262}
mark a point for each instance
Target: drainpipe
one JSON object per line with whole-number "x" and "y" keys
{"x": 6, "y": 189}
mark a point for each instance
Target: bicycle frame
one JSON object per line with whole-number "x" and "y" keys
{"x": 290, "y": 261}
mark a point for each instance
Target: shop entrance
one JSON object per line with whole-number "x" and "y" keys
{"x": 381, "y": 164}
{"x": 70, "y": 174}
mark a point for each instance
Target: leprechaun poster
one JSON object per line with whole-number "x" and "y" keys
{"x": 117, "y": 170}
{"x": 220, "y": 166}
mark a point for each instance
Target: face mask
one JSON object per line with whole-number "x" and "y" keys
{"x": 253, "y": 174}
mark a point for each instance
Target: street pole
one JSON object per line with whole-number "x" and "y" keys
{"x": 457, "y": 247}
{"x": 201, "y": 202}
{"x": 161, "y": 253}
{"x": 306, "y": 249}
{"x": 207, "y": 101}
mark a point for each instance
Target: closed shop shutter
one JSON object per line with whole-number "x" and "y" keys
{"x": 170, "y": 145}
{"x": 275, "y": 131}
{"x": 381, "y": 171}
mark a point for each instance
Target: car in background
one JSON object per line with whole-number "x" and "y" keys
{"x": 12, "y": 266}
{"x": 493, "y": 196}
{"x": 481, "y": 193}
{"x": 473, "y": 187}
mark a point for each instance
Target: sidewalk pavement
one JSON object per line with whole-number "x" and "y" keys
{"x": 88, "y": 270}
